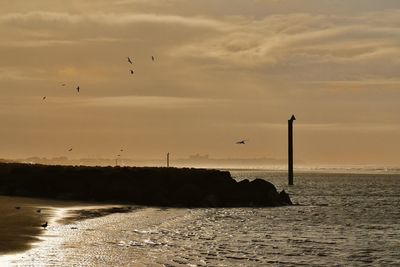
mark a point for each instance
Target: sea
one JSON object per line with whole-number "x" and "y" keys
{"x": 341, "y": 218}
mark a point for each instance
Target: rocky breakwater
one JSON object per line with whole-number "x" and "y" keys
{"x": 174, "y": 187}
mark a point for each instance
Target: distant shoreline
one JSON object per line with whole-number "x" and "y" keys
{"x": 281, "y": 167}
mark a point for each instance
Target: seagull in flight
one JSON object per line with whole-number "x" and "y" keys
{"x": 77, "y": 89}
{"x": 241, "y": 142}
{"x": 129, "y": 60}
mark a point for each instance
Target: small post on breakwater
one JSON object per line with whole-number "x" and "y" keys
{"x": 168, "y": 159}
{"x": 290, "y": 149}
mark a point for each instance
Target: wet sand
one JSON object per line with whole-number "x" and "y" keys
{"x": 20, "y": 223}
{"x": 84, "y": 213}
{"x": 21, "y": 220}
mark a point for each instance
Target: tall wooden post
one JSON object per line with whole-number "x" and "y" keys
{"x": 168, "y": 159}
{"x": 290, "y": 149}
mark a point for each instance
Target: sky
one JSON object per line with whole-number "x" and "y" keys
{"x": 224, "y": 70}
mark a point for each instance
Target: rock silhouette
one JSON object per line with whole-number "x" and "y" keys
{"x": 175, "y": 187}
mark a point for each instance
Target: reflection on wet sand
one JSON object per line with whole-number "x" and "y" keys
{"x": 20, "y": 222}
{"x": 26, "y": 221}
{"x": 83, "y": 213}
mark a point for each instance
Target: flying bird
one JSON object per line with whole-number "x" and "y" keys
{"x": 39, "y": 211}
{"x": 44, "y": 225}
{"x": 63, "y": 84}
{"x": 152, "y": 58}
{"x": 121, "y": 150}
{"x": 131, "y": 71}
{"x": 77, "y": 89}
{"x": 17, "y": 208}
{"x": 129, "y": 60}
{"x": 44, "y": 98}
{"x": 241, "y": 142}
{"x": 70, "y": 149}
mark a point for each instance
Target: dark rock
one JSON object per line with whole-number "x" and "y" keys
{"x": 144, "y": 186}
{"x": 285, "y": 197}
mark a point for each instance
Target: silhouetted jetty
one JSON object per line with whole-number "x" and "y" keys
{"x": 174, "y": 187}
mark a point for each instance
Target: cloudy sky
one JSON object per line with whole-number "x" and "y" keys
{"x": 225, "y": 70}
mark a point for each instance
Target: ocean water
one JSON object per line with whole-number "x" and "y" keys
{"x": 344, "y": 219}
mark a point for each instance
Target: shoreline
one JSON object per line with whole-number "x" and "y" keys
{"x": 20, "y": 229}
{"x": 62, "y": 237}
{"x": 20, "y": 226}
